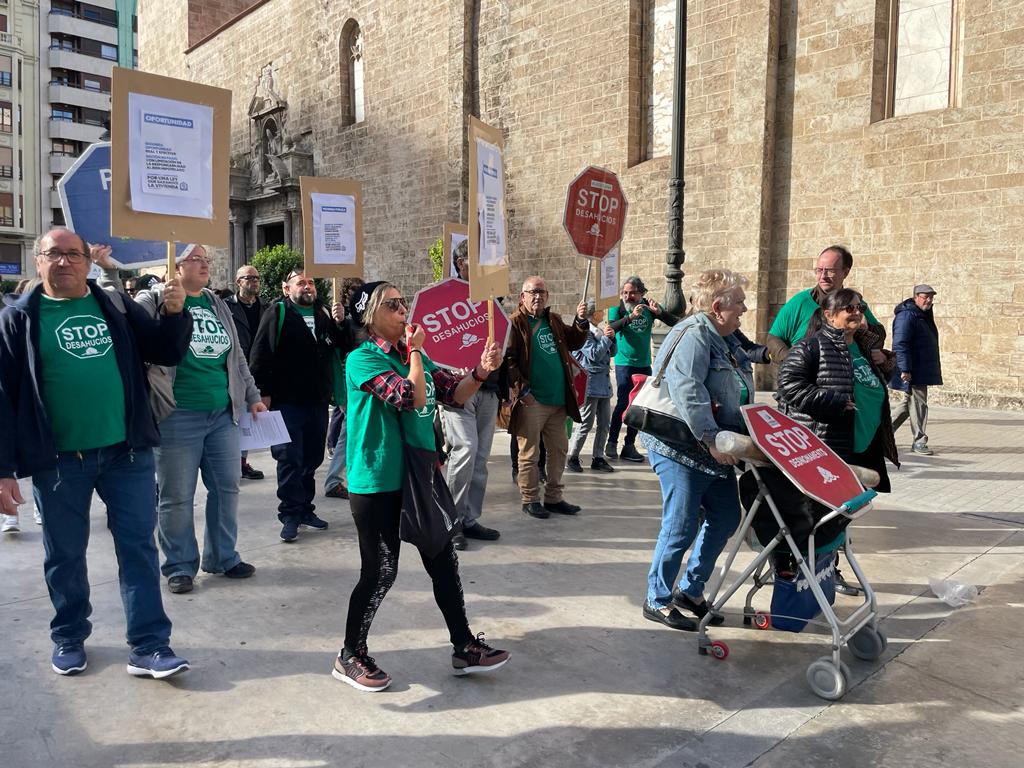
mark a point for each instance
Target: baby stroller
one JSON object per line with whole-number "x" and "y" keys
{"x": 798, "y": 539}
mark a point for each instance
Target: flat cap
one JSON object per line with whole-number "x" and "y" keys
{"x": 923, "y": 288}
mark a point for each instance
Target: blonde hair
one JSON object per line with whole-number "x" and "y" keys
{"x": 715, "y": 285}
{"x": 375, "y": 302}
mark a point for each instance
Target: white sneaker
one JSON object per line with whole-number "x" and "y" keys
{"x": 10, "y": 524}
{"x": 37, "y": 515}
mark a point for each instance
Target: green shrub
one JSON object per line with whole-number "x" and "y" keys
{"x": 274, "y": 262}
{"x": 437, "y": 259}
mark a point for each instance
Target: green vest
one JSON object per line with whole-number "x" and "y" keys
{"x": 633, "y": 340}
{"x": 547, "y": 377}
{"x": 82, "y": 387}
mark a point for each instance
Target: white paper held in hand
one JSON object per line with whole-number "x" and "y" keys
{"x": 266, "y": 430}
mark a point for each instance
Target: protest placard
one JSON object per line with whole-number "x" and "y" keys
{"x": 332, "y": 227}
{"x": 488, "y": 220}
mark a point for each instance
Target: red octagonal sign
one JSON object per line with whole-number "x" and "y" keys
{"x": 455, "y": 327}
{"x": 595, "y": 212}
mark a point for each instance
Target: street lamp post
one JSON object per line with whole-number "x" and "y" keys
{"x": 675, "y": 302}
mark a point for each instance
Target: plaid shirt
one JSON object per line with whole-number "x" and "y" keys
{"x": 397, "y": 391}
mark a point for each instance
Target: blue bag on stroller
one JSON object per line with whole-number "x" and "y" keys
{"x": 793, "y": 603}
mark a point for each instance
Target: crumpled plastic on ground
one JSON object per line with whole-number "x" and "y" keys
{"x": 953, "y": 593}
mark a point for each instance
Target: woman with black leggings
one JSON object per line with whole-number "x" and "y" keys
{"x": 393, "y": 389}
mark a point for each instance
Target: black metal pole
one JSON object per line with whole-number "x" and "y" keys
{"x": 675, "y": 302}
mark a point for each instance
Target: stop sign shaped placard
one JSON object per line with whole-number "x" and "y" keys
{"x": 801, "y": 455}
{"x": 455, "y": 327}
{"x": 595, "y": 212}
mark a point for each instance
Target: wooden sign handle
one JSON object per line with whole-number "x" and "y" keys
{"x": 172, "y": 268}
{"x": 490, "y": 320}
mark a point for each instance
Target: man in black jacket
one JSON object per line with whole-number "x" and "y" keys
{"x": 247, "y": 308}
{"x": 291, "y": 361}
{"x": 915, "y": 340}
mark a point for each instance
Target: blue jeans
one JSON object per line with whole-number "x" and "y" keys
{"x": 623, "y": 386}
{"x": 124, "y": 481}
{"x": 193, "y": 442}
{"x": 298, "y": 460}
{"x": 684, "y": 491}
{"x": 336, "y": 466}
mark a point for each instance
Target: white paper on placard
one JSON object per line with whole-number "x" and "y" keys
{"x": 266, "y": 430}
{"x": 170, "y": 156}
{"x": 608, "y": 282}
{"x": 456, "y": 239}
{"x": 490, "y": 203}
{"x": 334, "y": 228}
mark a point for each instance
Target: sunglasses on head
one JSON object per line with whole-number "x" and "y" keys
{"x": 395, "y": 303}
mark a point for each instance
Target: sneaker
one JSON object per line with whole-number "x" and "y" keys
{"x": 700, "y": 610}
{"x": 37, "y": 516}
{"x": 536, "y": 509}
{"x": 158, "y": 665}
{"x": 670, "y": 617}
{"x": 610, "y": 450}
{"x": 459, "y": 541}
{"x": 478, "y": 656}
{"x": 922, "y": 448}
{"x": 68, "y": 659}
{"x": 249, "y": 472}
{"x": 600, "y": 465}
{"x": 337, "y": 492}
{"x": 360, "y": 672}
{"x": 562, "y": 508}
{"x": 180, "y": 584}
{"x": 290, "y": 531}
{"x": 310, "y": 520}
{"x": 10, "y": 524}
{"x": 843, "y": 587}
{"x": 630, "y": 453}
{"x": 241, "y": 570}
{"x": 481, "y": 532}
{"x": 572, "y": 464}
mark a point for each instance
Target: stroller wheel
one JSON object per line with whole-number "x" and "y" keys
{"x": 762, "y": 620}
{"x": 826, "y": 681}
{"x": 867, "y": 644}
{"x": 719, "y": 650}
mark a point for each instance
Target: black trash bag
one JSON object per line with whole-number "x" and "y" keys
{"x": 428, "y": 510}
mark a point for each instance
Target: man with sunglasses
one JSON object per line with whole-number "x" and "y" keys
{"x": 292, "y": 363}
{"x": 76, "y": 418}
{"x": 539, "y": 379}
{"x": 247, "y": 307}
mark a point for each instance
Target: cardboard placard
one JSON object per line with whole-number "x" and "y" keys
{"x": 125, "y": 221}
{"x": 488, "y": 270}
{"x": 318, "y": 263}
{"x": 606, "y": 280}
{"x": 453, "y": 235}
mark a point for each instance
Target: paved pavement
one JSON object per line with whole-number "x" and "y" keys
{"x": 591, "y": 683}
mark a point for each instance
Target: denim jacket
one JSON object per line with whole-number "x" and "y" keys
{"x": 596, "y": 357}
{"x": 704, "y": 384}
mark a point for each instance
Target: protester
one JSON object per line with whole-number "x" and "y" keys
{"x": 709, "y": 377}
{"x": 247, "y": 308}
{"x": 76, "y": 418}
{"x": 334, "y": 483}
{"x": 633, "y": 322}
{"x": 292, "y": 359}
{"x": 204, "y": 396}
{"x": 595, "y": 356}
{"x": 537, "y": 370}
{"x": 393, "y": 388}
{"x": 915, "y": 340}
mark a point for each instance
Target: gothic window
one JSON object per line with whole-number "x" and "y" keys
{"x": 351, "y": 50}
{"x": 652, "y": 66}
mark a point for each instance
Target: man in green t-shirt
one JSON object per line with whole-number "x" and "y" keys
{"x": 75, "y": 416}
{"x": 539, "y": 377}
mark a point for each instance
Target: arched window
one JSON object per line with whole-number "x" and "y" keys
{"x": 351, "y": 69}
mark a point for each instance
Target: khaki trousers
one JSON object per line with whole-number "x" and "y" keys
{"x": 533, "y": 422}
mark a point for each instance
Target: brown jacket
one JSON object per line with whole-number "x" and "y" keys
{"x": 516, "y": 366}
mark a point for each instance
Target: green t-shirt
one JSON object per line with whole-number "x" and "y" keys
{"x": 868, "y": 395}
{"x": 790, "y": 324}
{"x": 82, "y": 387}
{"x": 201, "y": 379}
{"x": 633, "y": 340}
{"x": 373, "y": 451}
{"x": 307, "y": 315}
{"x": 547, "y": 379}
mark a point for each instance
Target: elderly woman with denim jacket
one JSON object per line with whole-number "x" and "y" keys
{"x": 709, "y": 377}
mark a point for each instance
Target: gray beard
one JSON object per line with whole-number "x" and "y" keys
{"x": 305, "y": 300}
{"x": 630, "y": 305}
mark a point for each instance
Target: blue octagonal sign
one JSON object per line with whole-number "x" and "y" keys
{"x": 85, "y": 199}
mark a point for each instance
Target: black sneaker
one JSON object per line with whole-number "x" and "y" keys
{"x": 572, "y": 464}
{"x": 478, "y": 656}
{"x": 249, "y": 472}
{"x": 290, "y": 531}
{"x": 361, "y": 672}
{"x": 630, "y": 453}
{"x": 600, "y": 465}
{"x": 687, "y": 603}
{"x": 562, "y": 508}
{"x": 241, "y": 570}
{"x": 610, "y": 451}
{"x": 180, "y": 584}
{"x": 536, "y": 509}
{"x": 843, "y": 587}
{"x": 310, "y": 520}
{"x": 481, "y": 532}
{"x": 459, "y": 541}
{"x": 670, "y": 617}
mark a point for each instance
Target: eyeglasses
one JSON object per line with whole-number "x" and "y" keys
{"x": 826, "y": 272}
{"x": 53, "y": 255}
{"x": 537, "y": 292}
{"x": 858, "y": 308}
{"x": 196, "y": 260}
{"x": 394, "y": 304}
{"x": 249, "y": 277}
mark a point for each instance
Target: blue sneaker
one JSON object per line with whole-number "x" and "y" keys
{"x": 290, "y": 530}
{"x": 69, "y": 659}
{"x": 158, "y": 665}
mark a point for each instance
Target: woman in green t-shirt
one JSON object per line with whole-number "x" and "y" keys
{"x": 392, "y": 389}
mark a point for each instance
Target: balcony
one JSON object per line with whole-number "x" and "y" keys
{"x": 77, "y": 96}
{"x": 66, "y": 129}
{"x": 61, "y": 58}
{"x": 10, "y": 39}
{"x": 54, "y": 198}
{"x": 59, "y": 164}
{"x": 59, "y": 23}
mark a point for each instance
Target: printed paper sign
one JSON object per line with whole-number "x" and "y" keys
{"x": 170, "y": 156}
{"x": 608, "y": 282}
{"x": 334, "y": 228}
{"x": 266, "y": 430}
{"x": 490, "y": 180}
